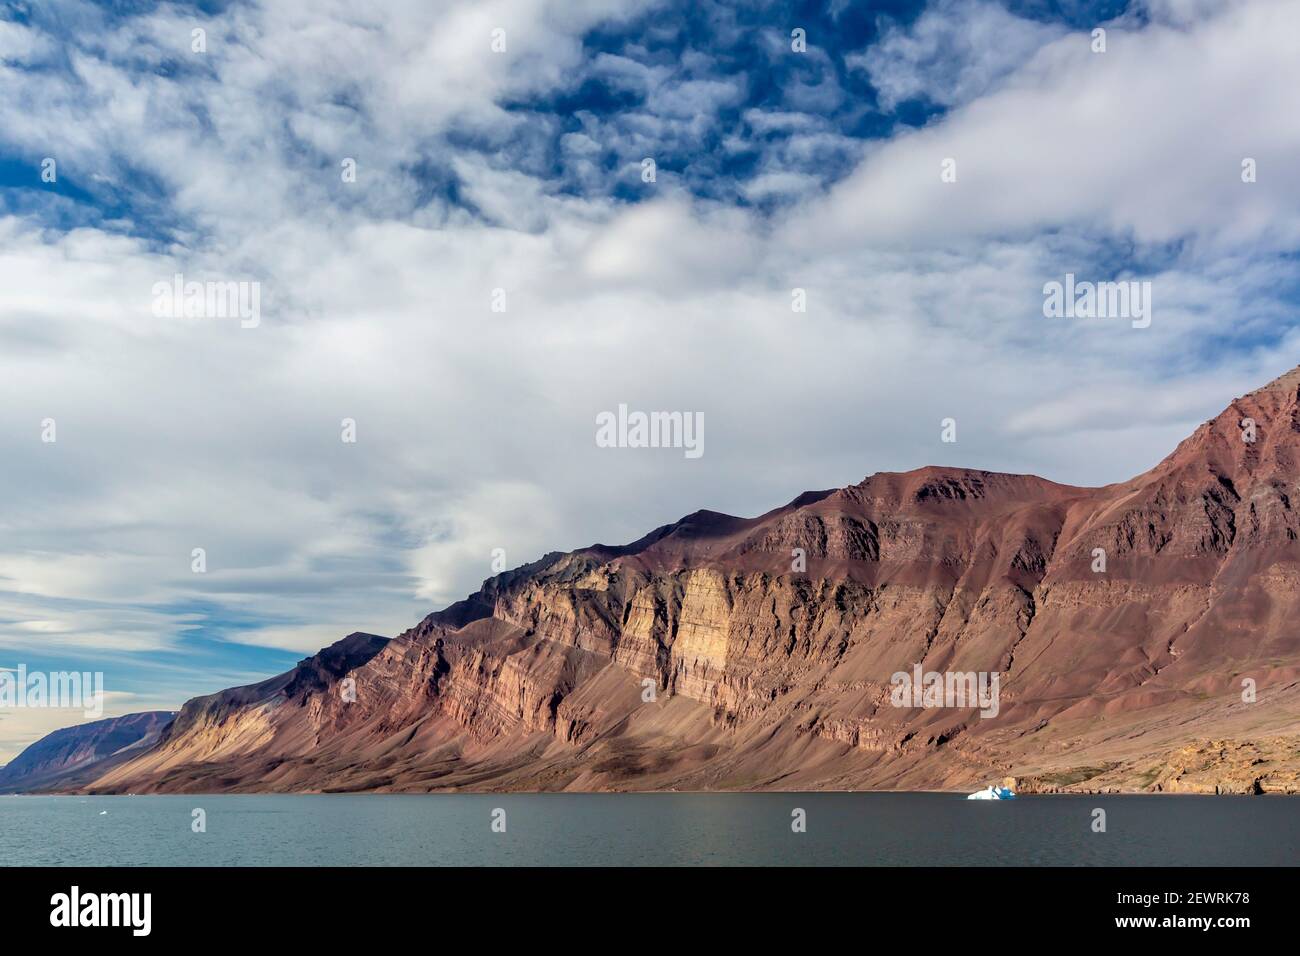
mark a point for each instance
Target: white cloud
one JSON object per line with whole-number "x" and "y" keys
{"x": 513, "y": 516}
{"x": 1144, "y": 141}
{"x": 955, "y": 51}
{"x": 772, "y": 184}
{"x": 21, "y": 44}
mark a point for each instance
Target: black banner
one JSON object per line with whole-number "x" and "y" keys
{"x": 947, "y": 906}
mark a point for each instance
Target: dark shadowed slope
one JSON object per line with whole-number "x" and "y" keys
{"x": 75, "y": 755}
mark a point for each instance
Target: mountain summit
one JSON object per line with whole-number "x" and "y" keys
{"x": 1142, "y": 635}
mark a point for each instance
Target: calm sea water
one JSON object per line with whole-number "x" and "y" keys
{"x": 648, "y": 829}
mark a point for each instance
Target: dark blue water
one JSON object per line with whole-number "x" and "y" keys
{"x": 898, "y": 829}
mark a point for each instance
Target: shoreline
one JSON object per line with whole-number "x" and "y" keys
{"x": 611, "y": 793}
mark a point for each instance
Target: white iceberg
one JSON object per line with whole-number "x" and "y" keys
{"x": 993, "y": 793}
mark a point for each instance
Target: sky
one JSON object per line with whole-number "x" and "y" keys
{"x": 501, "y": 269}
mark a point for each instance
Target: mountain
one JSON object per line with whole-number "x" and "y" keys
{"x": 76, "y": 755}
{"x": 704, "y": 656}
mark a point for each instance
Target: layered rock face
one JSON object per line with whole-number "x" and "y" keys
{"x": 75, "y": 755}
{"x": 1143, "y": 636}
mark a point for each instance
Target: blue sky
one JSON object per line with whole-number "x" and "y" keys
{"x": 522, "y": 170}
{"x": 708, "y": 87}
